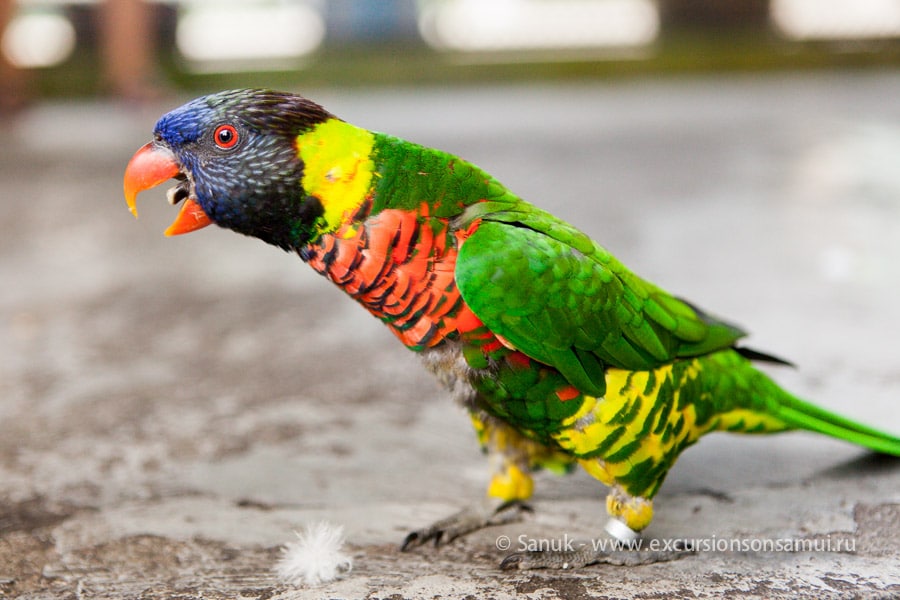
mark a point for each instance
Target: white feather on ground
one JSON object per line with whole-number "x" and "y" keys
{"x": 316, "y": 557}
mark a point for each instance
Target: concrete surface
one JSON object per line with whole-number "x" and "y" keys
{"x": 172, "y": 409}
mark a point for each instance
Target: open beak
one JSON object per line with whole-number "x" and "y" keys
{"x": 152, "y": 165}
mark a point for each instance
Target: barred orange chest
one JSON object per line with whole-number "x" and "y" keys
{"x": 400, "y": 266}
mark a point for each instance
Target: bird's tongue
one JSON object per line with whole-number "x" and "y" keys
{"x": 150, "y": 166}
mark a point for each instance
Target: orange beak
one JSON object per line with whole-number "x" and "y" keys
{"x": 151, "y": 166}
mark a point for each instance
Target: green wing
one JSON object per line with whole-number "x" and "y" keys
{"x": 563, "y": 300}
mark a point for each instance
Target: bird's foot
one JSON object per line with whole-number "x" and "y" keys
{"x": 491, "y": 511}
{"x": 625, "y": 548}
{"x": 585, "y": 555}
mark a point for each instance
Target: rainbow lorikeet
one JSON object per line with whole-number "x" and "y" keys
{"x": 561, "y": 355}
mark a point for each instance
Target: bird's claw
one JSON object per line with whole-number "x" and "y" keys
{"x": 548, "y": 559}
{"x": 469, "y": 519}
{"x": 587, "y": 555}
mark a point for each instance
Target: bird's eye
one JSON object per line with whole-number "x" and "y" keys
{"x": 225, "y": 137}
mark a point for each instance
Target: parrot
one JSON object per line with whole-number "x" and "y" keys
{"x": 561, "y": 356}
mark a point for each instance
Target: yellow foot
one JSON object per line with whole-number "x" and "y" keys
{"x": 633, "y": 511}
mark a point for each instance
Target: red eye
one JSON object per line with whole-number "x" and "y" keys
{"x": 225, "y": 136}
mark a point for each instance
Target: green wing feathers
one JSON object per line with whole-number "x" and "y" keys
{"x": 563, "y": 300}
{"x": 554, "y": 294}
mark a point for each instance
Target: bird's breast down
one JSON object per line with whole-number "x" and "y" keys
{"x": 448, "y": 364}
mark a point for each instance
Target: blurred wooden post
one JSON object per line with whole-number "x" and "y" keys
{"x": 127, "y": 45}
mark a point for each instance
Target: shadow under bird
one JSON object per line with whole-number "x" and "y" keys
{"x": 561, "y": 355}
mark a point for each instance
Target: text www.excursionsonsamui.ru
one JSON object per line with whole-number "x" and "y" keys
{"x": 526, "y": 543}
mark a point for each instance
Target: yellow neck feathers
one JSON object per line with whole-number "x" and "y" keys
{"x": 338, "y": 168}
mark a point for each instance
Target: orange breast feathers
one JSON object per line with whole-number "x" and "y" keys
{"x": 400, "y": 265}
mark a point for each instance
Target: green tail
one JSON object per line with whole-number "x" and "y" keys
{"x": 737, "y": 385}
{"x": 803, "y": 415}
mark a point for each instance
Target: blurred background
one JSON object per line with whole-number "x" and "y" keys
{"x": 741, "y": 153}
{"x": 139, "y": 49}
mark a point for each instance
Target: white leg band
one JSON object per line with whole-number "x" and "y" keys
{"x": 621, "y": 531}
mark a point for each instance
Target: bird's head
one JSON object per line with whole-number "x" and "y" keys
{"x": 236, "y": 158}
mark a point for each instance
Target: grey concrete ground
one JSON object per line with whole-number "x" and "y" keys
{"x": 172, "y": 409}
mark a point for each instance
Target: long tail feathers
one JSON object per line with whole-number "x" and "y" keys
{"x": 756, "y": 355}
{"x": 803, "y": 415}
